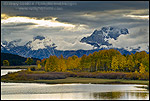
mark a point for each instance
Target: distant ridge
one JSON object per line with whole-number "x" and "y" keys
{"x": 15, "y": 60}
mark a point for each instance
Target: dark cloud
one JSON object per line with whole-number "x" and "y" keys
{"x": 81, "y": 6}
{"x": 92, "y": 14}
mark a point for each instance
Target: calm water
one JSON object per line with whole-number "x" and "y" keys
{"x": 5, "y": 71}
{"x": 29, "y": 91}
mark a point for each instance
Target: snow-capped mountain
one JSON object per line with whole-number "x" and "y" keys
{"x": 39, "y": 47}
{"x": 42, "y": 46}
{"x": 102, "y": 36}
{"x": 40, "y": 42}
{"x": 11, "y": 44}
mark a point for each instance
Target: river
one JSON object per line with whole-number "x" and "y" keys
{"x": 31, "y": 91}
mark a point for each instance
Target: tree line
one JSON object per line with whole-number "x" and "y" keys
{"x": 14, "y": 60}
{"x": 103, "y": 60}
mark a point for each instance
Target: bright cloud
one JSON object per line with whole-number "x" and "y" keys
{"x": 79, "y": 20}
{"x": 136, "y": 38}
{"x": 46, "y": 23}
{"x": 138, "y": 16}
{"x": 70, "y": 43}
{"x": 4, "y": 16}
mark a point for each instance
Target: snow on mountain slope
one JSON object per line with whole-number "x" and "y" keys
{"x": 100, "y": 38}
{"x": 3, "y": 44}
{"x": 40, "y": 42}
{"x": 42, "y": 46}
{"x": 11, "y": 44}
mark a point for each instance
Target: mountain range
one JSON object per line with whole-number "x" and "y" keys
{"x": 42, "y": 47}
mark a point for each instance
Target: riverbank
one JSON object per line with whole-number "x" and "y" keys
{"x": 70, "y": 80}
{"x": 24, "y": 76}
{"x": 92, "y": 81}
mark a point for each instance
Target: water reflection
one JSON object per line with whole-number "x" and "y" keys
{"x": 120, "y": 95}
{"x": 32, "y": 91}
{"x": 5, "y": 71}
{"x": 108, "y": 95}
{"x": 139, "y": 94}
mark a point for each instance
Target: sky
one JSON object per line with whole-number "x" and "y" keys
{"x": 67, "y": 22}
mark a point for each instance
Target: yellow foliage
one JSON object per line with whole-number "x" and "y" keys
{"x": 142, "y": 68}
{"x": 39, "y": 66}
{"x": 29, "y": 70}
{"x": 114, "y": 64}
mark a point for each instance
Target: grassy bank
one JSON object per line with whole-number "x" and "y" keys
{"x": 92, "y": 81}
{"x": 82, "y": 80}
{"x": 73, "y": 77}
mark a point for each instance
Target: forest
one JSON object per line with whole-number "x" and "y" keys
{"x": 104, "y": 64}
{"x": 15, "y": 60}
{"x": 104, "y": 60}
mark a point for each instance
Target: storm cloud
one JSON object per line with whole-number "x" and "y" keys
{"x": 73, "y": 20}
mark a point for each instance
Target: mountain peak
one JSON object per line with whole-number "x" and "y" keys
{"x": 101, "y": 37}
{"x": 41, "y": 43}
{"x": 11, "y": 44}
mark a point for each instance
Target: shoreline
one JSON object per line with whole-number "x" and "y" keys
{"x": 70, "y": 80}
{"x": 25, "y": 76}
